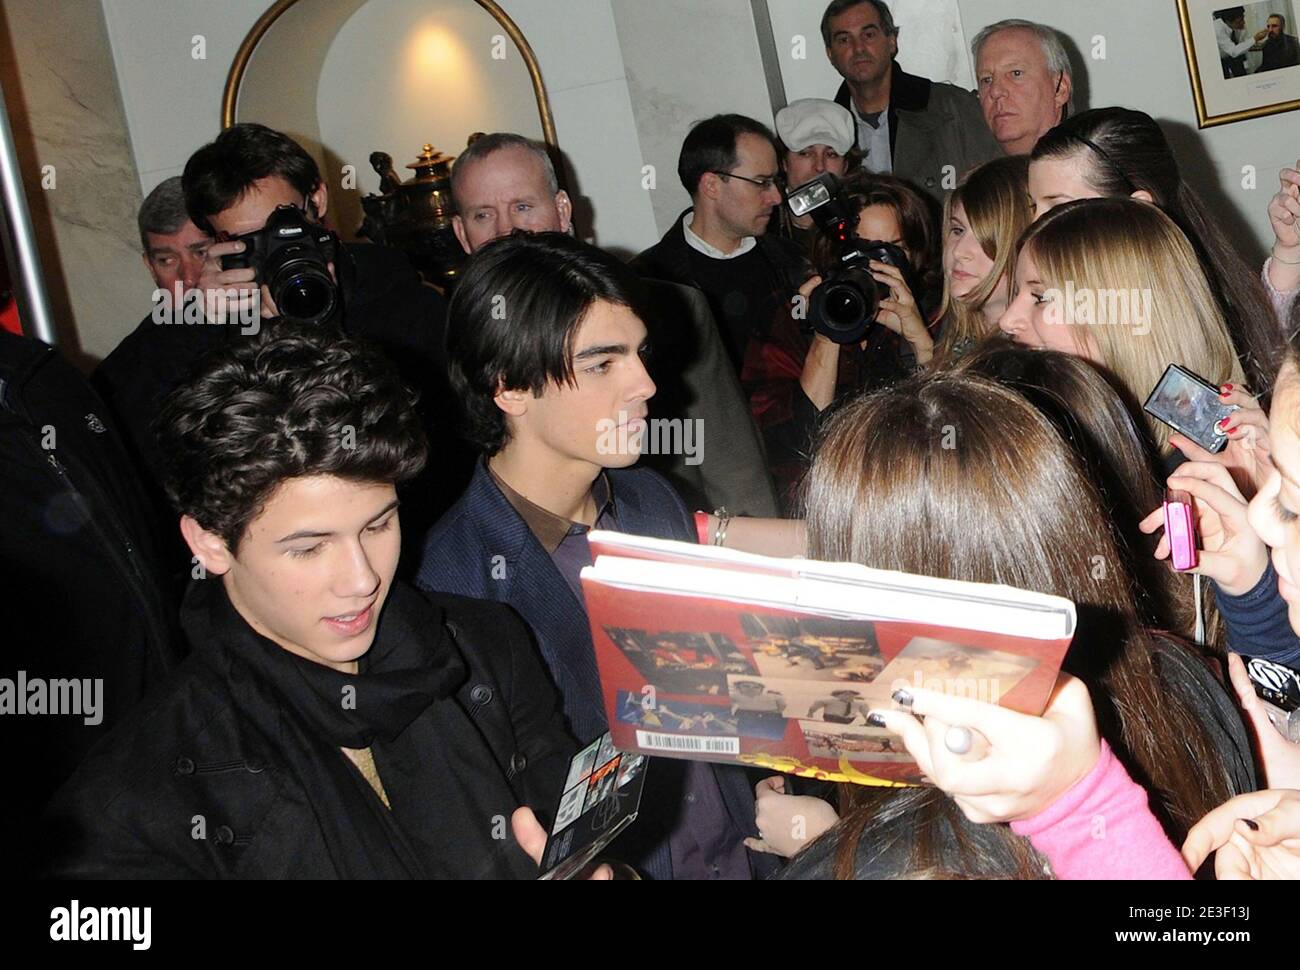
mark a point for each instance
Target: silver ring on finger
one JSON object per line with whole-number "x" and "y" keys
{"x": 958, "y": 740}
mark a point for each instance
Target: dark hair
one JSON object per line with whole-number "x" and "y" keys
{"x": 1127, "y": 151}
{"x": 1004, "y": 500}
{"x": 288, "y": 403}
{"x": 853, "y": 159}
{"x": 1228, "y": 14}
{"x": 917, "y": 225}
{"x": 483, "y": 146}
{"x": 224, "y": 169}
{"x": 912, "y": 833}
{"x": 837, "y": 7}
{"x": 1281, "y": 17}
{"x": 163, "y": 211}
{"x": 711, "y": 147}
{"x": 513, "y": 318}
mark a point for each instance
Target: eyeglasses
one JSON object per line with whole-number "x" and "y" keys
{"x": 764, "y": 183}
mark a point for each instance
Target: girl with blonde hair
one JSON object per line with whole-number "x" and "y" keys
{"x": 982, "y": 219}
{"x": 1116, "y": 282}
{"x": 1120, "y": 153}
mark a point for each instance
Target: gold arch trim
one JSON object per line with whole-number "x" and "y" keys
{"x": 230, "y": 95}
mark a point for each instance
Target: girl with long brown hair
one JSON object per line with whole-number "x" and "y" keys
{"x": 1120, "y": 458}
{"x": 956, "y": 477}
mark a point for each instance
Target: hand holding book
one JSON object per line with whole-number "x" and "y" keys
{"x": 1026, "y": 763}
{"x": 1013, "y": 767}
{"x": 720, "y": 655}
{"x": 530, "y": 835}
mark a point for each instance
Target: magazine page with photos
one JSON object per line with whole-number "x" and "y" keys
{"x": 723, "y": 656}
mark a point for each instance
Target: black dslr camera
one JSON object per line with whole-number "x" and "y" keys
{"x": 844, "y": 307}
{"x": 291, "y": 257}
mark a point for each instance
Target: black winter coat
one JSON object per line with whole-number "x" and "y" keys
{"x": 81, "y": 584}
{"x": 233, "y": 769}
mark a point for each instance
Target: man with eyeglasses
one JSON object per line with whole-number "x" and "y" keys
{"x": 721, "y": 245}
{"x": 921, "y": 130}
{"x": 1023, "y": 78}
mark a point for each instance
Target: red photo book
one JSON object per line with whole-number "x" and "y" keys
{"x": 718, "y": 655}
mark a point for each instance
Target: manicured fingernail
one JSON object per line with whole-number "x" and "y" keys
{"x": 1251, "y": 824}
{"x": 902, "y": 697}
{"x": 875, "y": 720}
{"x": 1224, "y": 423}
{"x": 1226, "y": 390}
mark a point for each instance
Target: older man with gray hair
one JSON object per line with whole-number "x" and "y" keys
{"x": 1024, "y": 82}
{"x": 922, "y": 130}
{"x": 503, "y": 182}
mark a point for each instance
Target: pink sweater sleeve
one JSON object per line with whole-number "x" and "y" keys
{"x": 1282, "y": 299}
{"x": 1102, "y": 828}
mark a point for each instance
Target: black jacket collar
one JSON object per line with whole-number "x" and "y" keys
{"x": 411, "y": 664}
{"x": 670, "y": 258}
{"x": 907, "y": 92}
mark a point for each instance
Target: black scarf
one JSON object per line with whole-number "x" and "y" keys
{"x": 442, "y": 778}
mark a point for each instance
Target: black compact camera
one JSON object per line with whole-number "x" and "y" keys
{"x": 1190, "y": 405}
{"x": 844, "y": 307}
{"x": 291, "y": 256}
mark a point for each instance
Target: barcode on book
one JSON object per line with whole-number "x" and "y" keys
{"x": 652, "y": 741}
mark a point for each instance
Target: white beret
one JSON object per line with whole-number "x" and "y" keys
{"x": 816, "y": 121}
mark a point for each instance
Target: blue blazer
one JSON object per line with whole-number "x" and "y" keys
{"x": 481, "y": 547}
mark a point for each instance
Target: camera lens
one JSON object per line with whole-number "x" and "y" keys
{"x": 306, "y": 298}
{"x": 304, "y": 291}
{"x": 843, "y": 307}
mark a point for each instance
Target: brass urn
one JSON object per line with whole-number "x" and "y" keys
{"x": 415, "y": 215}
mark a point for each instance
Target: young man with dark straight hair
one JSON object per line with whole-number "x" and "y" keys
{"x": 504, "y": 182}
{"x": 545, "y": 348}
{"x": 331, "y": 723}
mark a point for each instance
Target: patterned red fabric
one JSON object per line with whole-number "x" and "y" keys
{"x": 787, "y": 420}
{"x": 9, "y": 317}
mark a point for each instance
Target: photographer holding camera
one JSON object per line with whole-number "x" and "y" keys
{"x": 860, "y": 324}
{"x": 813, "y": 136}
{"x": 261, "y": 196}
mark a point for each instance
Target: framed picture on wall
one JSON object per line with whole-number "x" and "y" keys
{"x": 1243, "y": 59}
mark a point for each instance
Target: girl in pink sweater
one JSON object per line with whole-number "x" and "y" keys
{"x": 1049, "y": 776}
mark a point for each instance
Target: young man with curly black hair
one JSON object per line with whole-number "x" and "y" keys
{"x": 331, "y": 723}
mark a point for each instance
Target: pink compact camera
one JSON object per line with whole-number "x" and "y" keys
{"x": 1180, "y": 530}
